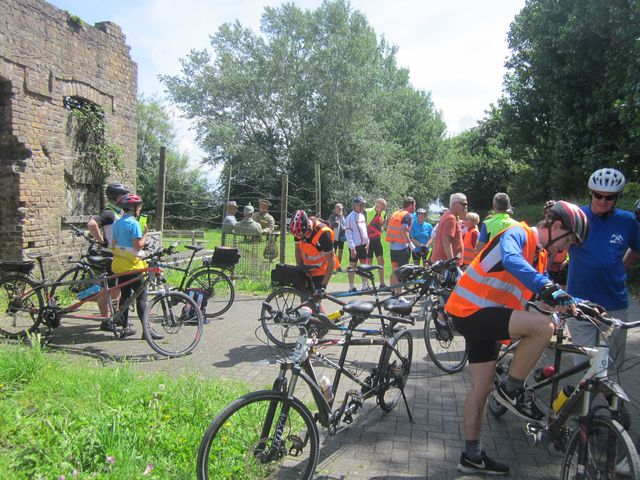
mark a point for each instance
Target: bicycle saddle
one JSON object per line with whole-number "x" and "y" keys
{"x": 195, "y": 248}
{"x": 38, "y": 255}
{"x": 99, "y": 261}
{"x": 358, "y": 308}
{"x": 307, "y": 268}
{"x": 368, "y": 268}
{"x": 399, "y": 307}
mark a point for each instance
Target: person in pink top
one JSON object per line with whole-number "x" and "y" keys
{"x": 448, "y": 238}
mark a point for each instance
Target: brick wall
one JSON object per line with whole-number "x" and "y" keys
{"x": 45, "y": 56}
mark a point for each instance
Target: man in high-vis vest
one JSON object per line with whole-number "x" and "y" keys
{"x": 398, "y": 237}
{"x": 488, "y": 305}
{"x": 497, "y": 221}
{"x": 101, "y": 228}
{"x": 314, "y": 246}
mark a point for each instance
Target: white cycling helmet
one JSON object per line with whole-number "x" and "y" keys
{"x": 607, "y": 180}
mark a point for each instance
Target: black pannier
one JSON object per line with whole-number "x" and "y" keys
{"x": 288, "y": 276}
{"x": 224, "y": 257}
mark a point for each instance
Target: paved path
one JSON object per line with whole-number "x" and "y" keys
{"x": 378, "y": 446}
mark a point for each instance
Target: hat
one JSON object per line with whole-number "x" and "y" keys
{"x": 358, "y": 199}
{"x": 421, "y": 210}
{"x": 501, "y": 201}
{"x": 248, "y": 209}
{"x": 265, "y": 201}
{"x": 232, "y": 203}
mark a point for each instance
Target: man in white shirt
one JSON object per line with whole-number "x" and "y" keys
{"x": 357, "y": 239}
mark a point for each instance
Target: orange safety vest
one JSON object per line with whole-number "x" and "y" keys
{"x": 486, "y": 283}
{"x": 467, "y": 253}
{"x": 394, "y": 228}
{"x": 311, "y": 254}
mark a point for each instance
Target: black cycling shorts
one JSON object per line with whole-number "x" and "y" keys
{"x": 482, "y": 330}
{"x": 375, "y": 248}
{"x": 401, "y": 257}
{"x": 359, "y": 254}
{"x": 317, "y": 281}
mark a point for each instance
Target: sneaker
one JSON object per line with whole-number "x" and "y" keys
{"x": 127, "y": 332}
{"x": 154, "y": 335}
{"x": 522, "y": 402}
{"x": 353, "y": 290}
{"x": 622, "y": 468}
{"x": 106, "y": 327}
{"x": 382, "y": 285}
{"x": 485, "y": 465}
{"x": 366, "y": 288}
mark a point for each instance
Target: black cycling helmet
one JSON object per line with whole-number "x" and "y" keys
{"x": 422, "y": 210}
{"x": 115, "y": 190}
{"x": 358, "y": 199}
{"x": 549, "y": 204}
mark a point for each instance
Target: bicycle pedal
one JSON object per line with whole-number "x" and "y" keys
{"x": 539, "y": 433}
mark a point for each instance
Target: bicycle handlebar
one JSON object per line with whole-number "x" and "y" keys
{"x": 589, "y": 313}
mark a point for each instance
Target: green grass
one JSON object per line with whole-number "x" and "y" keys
{"x": 60, "y": 414}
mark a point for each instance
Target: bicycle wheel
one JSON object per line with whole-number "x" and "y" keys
{"x": 502, "y": 371}
{"x": 20, "y": 305}
{"x": 66, "y": 295}
{"x": 445, "y": 346}
{"x": 175, "y": 317}
{"x": 395, "y": 369}
{"x": 257, "y": 437}
{"x": 285, "y": 299}
{"x": 609, "y": 448}
{"x": 218, "y": 290}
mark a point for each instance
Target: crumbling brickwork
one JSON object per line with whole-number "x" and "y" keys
{"x": 45, "y": 56}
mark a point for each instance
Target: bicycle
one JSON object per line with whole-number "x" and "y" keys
{"x": 600, "y": 442}
{"x": 208, "y": 284}
{"x": 296, "y": 290}
{"x": 172, "y": 325}
{"x": 272, "y": 433}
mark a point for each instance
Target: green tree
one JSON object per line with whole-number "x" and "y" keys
{"x": 313, "y": 87}
{"x": 189, "y": 200}
{"x": 572, "y": 92}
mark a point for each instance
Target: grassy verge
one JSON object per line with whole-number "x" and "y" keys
{"x": 61, "y": 417}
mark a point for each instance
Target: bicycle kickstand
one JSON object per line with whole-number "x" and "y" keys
{"x": 406, "y": 404}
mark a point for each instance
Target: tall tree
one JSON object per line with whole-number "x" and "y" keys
{"x": 189, "y": 199}
{"x": 572, "y": 92}
{"x": 314, "y": 87}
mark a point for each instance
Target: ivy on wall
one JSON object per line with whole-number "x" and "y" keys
{"x": 90, "y": 137}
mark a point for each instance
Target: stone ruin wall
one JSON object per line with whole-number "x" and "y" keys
{"x": 45, "y": 56}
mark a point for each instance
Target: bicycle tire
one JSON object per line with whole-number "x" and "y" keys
{"x": 178, "y": 319}
{"x": 66, "y": 294}
{"x": 402, "y": 341}
{"x": 218, "y": 289}
{"x": 445, "y": 346}
{"x": 21, "y": 305}
{"x": 284, "y": 299}
{"x": 236, "y": 437}
{"x": 608, "y": 436}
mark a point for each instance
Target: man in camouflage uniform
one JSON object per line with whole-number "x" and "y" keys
{"x": 266, "y": 221}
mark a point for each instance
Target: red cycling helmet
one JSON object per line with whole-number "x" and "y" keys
{"x": 299, "y": 224}
{"x": 572, "y": 217}
{"x": 130, "y": 200}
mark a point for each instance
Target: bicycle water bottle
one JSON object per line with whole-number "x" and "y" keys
{"x": 335, "y": 315}
{"x": 326, "y": 387}
{"x": 92, "y": 290}
{"x": 543, "y": 373}
{"x": 562, "y": 397}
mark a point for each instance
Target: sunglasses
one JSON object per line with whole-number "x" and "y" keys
{"x": 465, "y": 204}
{"x": 608, "y": 198}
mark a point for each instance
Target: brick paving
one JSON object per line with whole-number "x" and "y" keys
{"x": 377, "y": 445}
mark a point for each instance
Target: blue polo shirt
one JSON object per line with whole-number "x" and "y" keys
{"x": 422, "y": 233}
{"x": 596, "y": 269}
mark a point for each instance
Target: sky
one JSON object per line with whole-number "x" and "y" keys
{"x": 454, "y": 49}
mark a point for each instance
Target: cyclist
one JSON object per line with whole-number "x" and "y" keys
{"x": 357, "y": 240}
{"x": 598, "y": 269}
{"x": 376, "y": 217}
{"x": 498, "y": 220}
{"x": 488, "y": 305}
{"x": 420, "y": 235}
{"x": 314, "y": 246}
{"x": 398, "y": 237}
{"x": 101, "y": 228}
{"x": 128, "y": 243}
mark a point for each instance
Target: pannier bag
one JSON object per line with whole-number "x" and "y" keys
{"x": 288, "y": 276}
{"x": 225, "y": 257}
{"x": 17, "y": 267}
{"x": 200, "y": 297}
